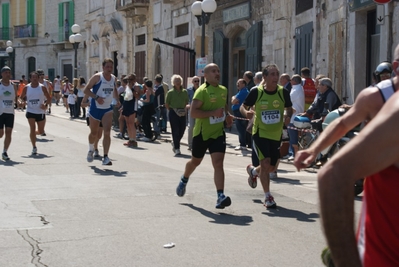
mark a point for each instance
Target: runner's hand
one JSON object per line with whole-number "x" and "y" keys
{"x": 303, "y": 159}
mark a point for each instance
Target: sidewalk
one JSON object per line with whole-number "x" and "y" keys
{"x": 231, "y": 134}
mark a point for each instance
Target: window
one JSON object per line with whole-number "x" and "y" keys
{"x": 140, "y": 39}
{"x": 182, "y": 30}
{"x": 303, "y": 5}
{"x": 65, "y": 20}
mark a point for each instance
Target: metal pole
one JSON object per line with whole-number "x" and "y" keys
{"x": 75, "y": 46}
{"x": 203, "y": 39}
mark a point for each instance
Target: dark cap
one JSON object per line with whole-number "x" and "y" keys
{"x": 5, "y": 68}
{"x": 40, "y": 72}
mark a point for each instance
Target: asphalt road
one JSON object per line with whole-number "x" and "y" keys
{"x": 59, "y": 210}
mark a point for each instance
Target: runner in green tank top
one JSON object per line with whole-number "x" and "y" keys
{"x": 209, "y": 110}
{"x": 269, "y": 102}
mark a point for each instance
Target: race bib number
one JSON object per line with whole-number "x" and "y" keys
{"x": 271, "y": 116}
{"x": 8, "y": 103}
{"x": 34, "y": 103}
{"x": 214, "y": 120}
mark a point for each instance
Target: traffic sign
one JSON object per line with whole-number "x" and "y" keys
{"x": 380, "y": 15}
{"x": 382, "y": 1}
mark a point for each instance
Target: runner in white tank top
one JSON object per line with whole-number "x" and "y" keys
{"x": 7, "y": 100}
{"x": 36, "y": 96}
{"x": 57, "y": 89}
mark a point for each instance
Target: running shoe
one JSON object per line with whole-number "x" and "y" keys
{"x": 273, "y": 175}
{"x": 223, "y": 202}
{"x": 177, "y": 152}
{"x": 96, "y": 154}
{"x": 270, "y": 203}
{"x": 5, "y": 156}
{"x": 119, "y": 135}
{"x": 145, "y": 139}
{"x": 181, "y": 188}
{"x": 107, "y": 161}
{"x": 90, "y": 156}
{"x": 34, "y": 151}
{"x": 252, "y": 179}
{"x": 43, "y": 134}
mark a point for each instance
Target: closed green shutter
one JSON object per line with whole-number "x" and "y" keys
{"x": 60, "y": 22}
{"x": 31, "y": 12}
{"x": 5, "y": 21}
{"x": 71, "y": 15}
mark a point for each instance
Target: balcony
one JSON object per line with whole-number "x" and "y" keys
{"x": 5, "y": 34}
{"x": 26, "y": 33}
{"x": 138, "y": 6}
{"x": 63, "y": 34}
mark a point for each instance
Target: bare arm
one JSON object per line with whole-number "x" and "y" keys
{"x": 197, "y": 113}
{"x": 365, "y": 103}
{"x": 337, "y": 177}
{"x": 93, "y": 81}
{"x": 246, "y": 111}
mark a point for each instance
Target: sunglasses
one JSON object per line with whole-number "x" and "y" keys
{"x": 196, "y": 81}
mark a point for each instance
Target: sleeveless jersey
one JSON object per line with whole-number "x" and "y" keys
{"x": 378, "y": 233}
{"x": 269, "y": 111}
{"x": 105, "y": 90}
{"x": 34, "y": 98}
{"x": 387, "y": 89}
{"x": 7, "y": 98}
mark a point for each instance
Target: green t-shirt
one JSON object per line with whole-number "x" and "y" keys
{"x": 212, "y": 98}
{"x": 269, "y": 113}
{"x": 177, "y": 99}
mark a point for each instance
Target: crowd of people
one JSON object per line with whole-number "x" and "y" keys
{"x": 265, "y": 103}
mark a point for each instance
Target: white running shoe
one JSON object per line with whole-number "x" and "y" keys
{"x": 107, "y": 161}
{"x": 90, "y": 156}
{"x": 252, "y": 179}
{"x": 177, "y": 152}
{"x": 270, "y": 203}
{"x": 273, "y": 175}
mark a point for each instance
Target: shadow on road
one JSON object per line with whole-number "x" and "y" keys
{"x": 222, "y": 218}
{"x": 44, "y": 140}
{"x": 280, "y": 180}
{"x": 37, "y": 156}
{"x": 108, "y": 172}
{"x": 10, "y": 163}
{"x": 288, "y": 213}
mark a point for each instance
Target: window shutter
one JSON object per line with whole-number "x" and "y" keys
{"x": 60, "y": 22}
{"x": 71, "y": 15}
{"x": 5, "y": 21}
{"x": 31, "y": 12}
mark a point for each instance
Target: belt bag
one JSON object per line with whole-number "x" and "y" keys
{"x": 181, "y": 112}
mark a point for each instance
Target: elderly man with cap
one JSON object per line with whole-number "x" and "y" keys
{"x": 7, "y": 100}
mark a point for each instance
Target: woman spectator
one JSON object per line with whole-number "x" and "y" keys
{"x": 66, "y": 86}
{"x": 177, "y": 103}
{"x": 148, "y": 110}
{"x": 80, "y": 95}
{"x": 129, "y": 110}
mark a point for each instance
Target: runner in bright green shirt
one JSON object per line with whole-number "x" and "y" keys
{"x": 209, "y": 108}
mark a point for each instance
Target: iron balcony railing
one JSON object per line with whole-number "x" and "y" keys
{"x": 5, "y": 33}
{"x": 63, "y": 34}
{"x": 26, "y": 31}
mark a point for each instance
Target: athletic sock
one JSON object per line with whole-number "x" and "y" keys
{"x": 254, "y": 172}
{"x": 91, "y": 147}
{"x": 267, "y": 194}
{"x": 220, "y": 193}
{"x": 184, "y": 179}
{"x": 4, "y": 150}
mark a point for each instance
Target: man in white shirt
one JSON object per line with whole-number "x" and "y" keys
{"x": 297, "y": 96}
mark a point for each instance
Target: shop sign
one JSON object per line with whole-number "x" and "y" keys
{"x": 238, "y": 12}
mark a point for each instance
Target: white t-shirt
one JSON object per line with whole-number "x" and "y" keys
{"x": 297, "y": 96}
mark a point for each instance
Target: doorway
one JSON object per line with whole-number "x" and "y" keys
{"x": 67, "y": 70}
{"x": 238, "y": 65}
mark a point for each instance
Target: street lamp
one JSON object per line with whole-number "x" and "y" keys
{"x": 75, "y": 39}
{"x": 9, "y": 50}
{"x": 203, "y": 11}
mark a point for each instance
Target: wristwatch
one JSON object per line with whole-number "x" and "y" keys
{"x": 97, "y": 97}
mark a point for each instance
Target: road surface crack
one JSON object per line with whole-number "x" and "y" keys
{"x": 36, "y": 251}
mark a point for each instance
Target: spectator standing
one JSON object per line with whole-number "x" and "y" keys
{"x": 176, "y": 102}
{"x": 240, "y": 121}
{"x": 297, "y": 96}
{"x": 81, "y": 87}
{"x": 159, "y": 104}
{"x": 249, "y": 79}
{"x": 309, "y": 87}
{"x": 72, "y": 99}
{"x": 148, "y": 110}
{"x": 285, "y": 81}
{"x": 191, "y": 120}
